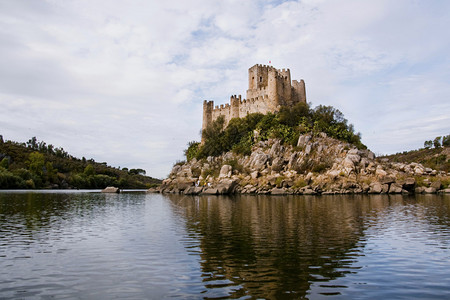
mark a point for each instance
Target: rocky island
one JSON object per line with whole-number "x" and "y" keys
{"x": 274, "y": 143}
{"x": 331, "y": 167}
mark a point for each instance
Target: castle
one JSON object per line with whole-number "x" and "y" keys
{"x": 268, "y": 90}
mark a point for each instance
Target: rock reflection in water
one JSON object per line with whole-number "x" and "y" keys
{"x": 275, "y": 247}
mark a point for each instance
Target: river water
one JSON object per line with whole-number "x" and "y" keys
{"x": 85, "y": 245}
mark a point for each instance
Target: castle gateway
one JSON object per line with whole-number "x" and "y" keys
{"x": 268, "y": 90}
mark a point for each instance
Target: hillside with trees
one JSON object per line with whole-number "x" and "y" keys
{"x": 435, "y": 154}
{"x": 36, "y": 165}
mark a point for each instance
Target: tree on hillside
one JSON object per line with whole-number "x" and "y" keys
{"x": 32, "y": 143}
{"x": 36, "y": 163}
{"x": 89, "y": 170}
{"x": 137, "y": 172}
{"x": 428, "y": 144}
{"x": 446, "y": 141}
{"x": 437, "y": 142}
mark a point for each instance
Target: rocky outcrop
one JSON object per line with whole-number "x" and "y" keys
{"x": 317, "y": 165}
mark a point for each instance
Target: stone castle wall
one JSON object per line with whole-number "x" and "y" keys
{"x": 269, "y": 89}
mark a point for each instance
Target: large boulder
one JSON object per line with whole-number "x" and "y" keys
{"x": 418, "y": 170}
{"x": 353, "y": 151}
{"x": 175, "y": 169}
{"x": 348, "y": 162}
{"x": 308, "y": 191}
{"x": 387, "y": 179}
{"x": 303, "y": 139}
{"x": 308, "y": 149}
{"x": 333, "y": 174}
{"x": 189, "y": 190}
{"x": 278, "y": 191}
{"x": 193, "y": 190}
{"x": 409, "y": 184}
{"x": 276, "y": 149}
{"x": 429, "y": 190}
{"x": 258, "y": 160}
{"x": 184, "y": 184}
{"x": 225, "y": 171}
{"x": 355, "y": 158}
{"x": 226, "y": 186}
{"x": 395, "y": 189}
{"x": 375, "y": 188}
{"x": 111, "y": 189}
{"x": 380, "y": 172}
{"x": 419, "y": 190}
{"x": 210, "y": 191}
{"x": 277, "y": 164}
{"x": 436, "y": 184}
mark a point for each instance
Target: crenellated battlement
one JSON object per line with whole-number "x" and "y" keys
{"x": 268, "y": 90}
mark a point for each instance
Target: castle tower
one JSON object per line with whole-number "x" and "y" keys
{"x": 258, "y": 80}
{"x": 257, "y": 77}
{"x": 272, "y": 90}
{"x": 207, "y": 114}
{"x": 298, "y": 91}
{"x": 284, "y": 89}
{"x": 269, "y": 89}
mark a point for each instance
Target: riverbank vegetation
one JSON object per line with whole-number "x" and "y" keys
{"x": 36, "y": 165}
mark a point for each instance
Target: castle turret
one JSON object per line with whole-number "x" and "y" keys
{"x": 258, "y": 79}
{"x": 235, "y": 102}
{"x": 284, "y": 88}
{"x": 207, "y": 114}
{"x": 299, "y": 91}
{"x": 272, "y": 90}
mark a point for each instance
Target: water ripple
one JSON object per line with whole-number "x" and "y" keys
{"x": 139, "y": 246}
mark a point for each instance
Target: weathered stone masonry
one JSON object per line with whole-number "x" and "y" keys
{"x": 268, "y": 90}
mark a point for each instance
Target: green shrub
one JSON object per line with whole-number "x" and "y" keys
{"x": 234, "y": 164}
{"x": 319, "y": 168}
{"x": 192, "y": 150}
{"x": 445, "y": 183}
{"x": 213, "y": 172}
{"x": 305, "y": 166}
{"x": 244, "y": 146}
{"x": 279, "y": 181}
{"x": 196, "y": 171}
{"x": 4, "y": 163}
{"x": 8, "y": 180}
{"x": 299, "y": 183}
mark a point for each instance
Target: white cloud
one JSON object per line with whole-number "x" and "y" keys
{"x": 123, "y": 82}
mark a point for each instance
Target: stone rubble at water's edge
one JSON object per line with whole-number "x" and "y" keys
{"x": 318, "y": 165}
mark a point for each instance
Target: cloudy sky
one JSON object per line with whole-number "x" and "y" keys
{"x": 124, "y": 81}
